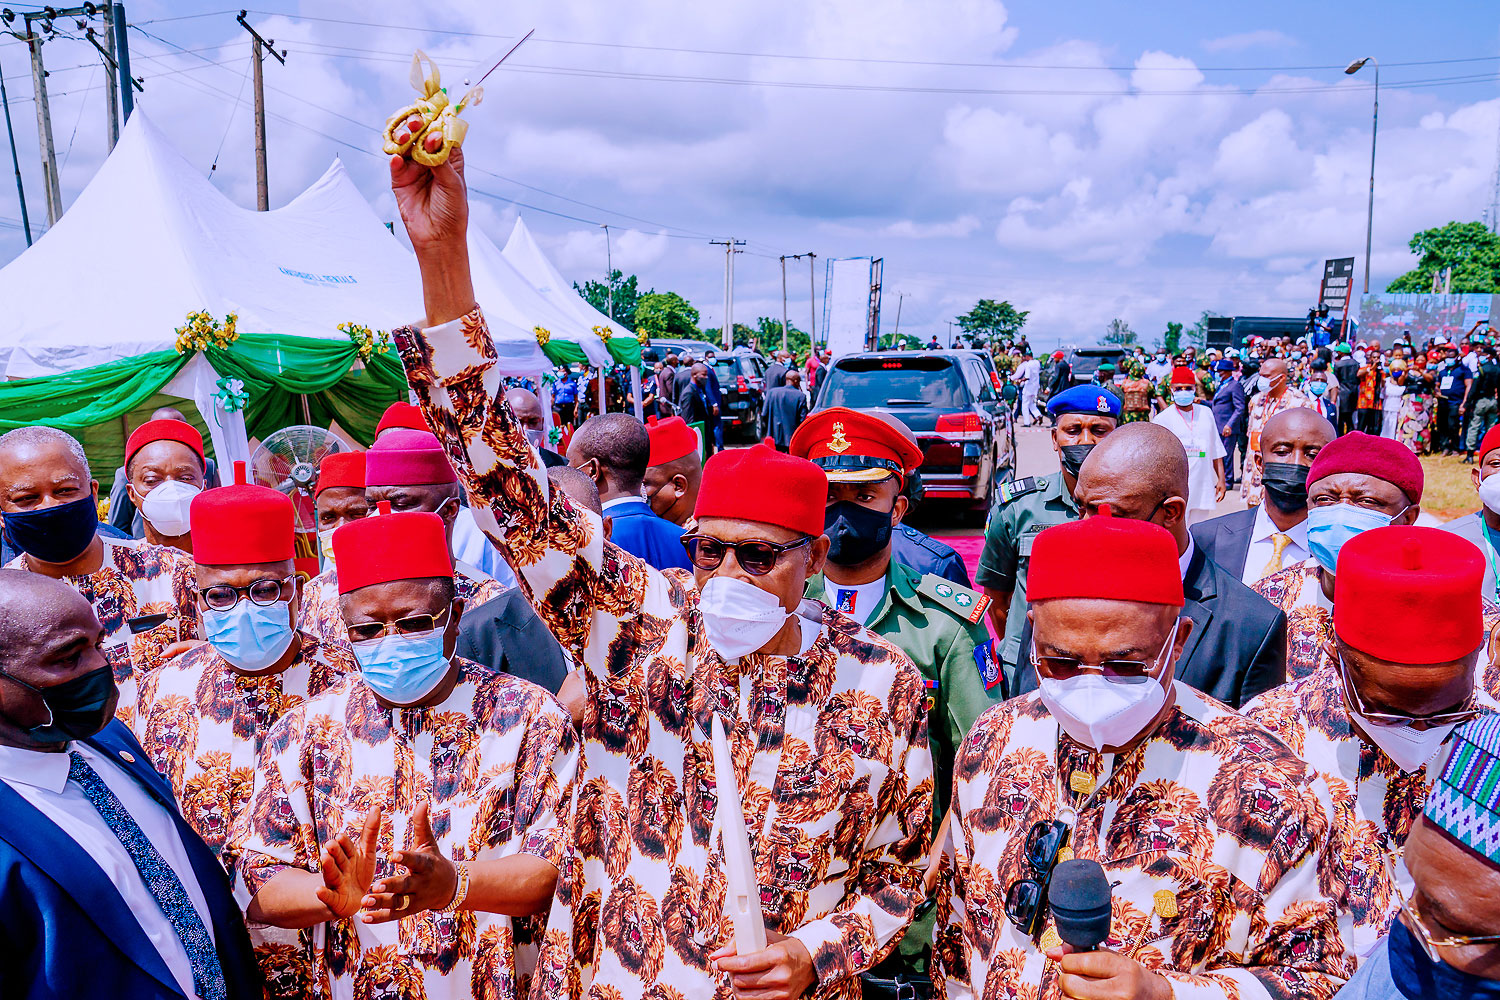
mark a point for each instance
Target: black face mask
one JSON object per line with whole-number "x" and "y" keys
{"x": 1072, "y": 456}
{"x": 80, "y": 707}
{"x": 56, "y": 534}
{"x": 855, "y": 533}
{"x": 1286, "y": 485}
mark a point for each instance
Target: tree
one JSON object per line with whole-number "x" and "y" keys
{"x": 626, "y": 297}
{"x": 666, "y": 314}
{"x": 1468, "y": 247}
{"x": 1198, "y": 335}
{"x": 1120, "y": 333}
{"x": 768, "y": 336}
{"x": 990, "y": 319}
{"x": 1172, "y": 339}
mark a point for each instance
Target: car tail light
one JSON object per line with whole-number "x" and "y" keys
{"x": 969, "y": 471}
{"x": 740, "y": 384}
{"x": 959, "y": 425}
{"x": 995, "y": 381}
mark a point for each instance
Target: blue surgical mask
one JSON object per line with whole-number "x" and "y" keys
{"x": 403, "y": 669}
{"x": 1296, "y": 355}
{"x": 1317, "y": 387}
{"x": 1182, "y": 397}
{"x": 1418, "y": 977}
{"x": 250, "y": 636}
{"x": 1331, "y": 525}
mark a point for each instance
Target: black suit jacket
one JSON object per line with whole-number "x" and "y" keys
{"x": 506, "y": 633}
{"x": 1226, "y": 539}
{"x": 1237, "y": 648}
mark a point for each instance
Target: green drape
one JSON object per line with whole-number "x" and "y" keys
{"x": 625, "y": 350}
{"x": 89, "y": 396}
{"x": 564, "y": 352}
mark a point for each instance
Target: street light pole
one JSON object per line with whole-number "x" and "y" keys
{"x": 1353, "y": 68}
{"x": 609, "y": 273}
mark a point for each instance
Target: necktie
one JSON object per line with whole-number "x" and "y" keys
{"x": 1279, "y": 542}
{"x": 160, "y": 879}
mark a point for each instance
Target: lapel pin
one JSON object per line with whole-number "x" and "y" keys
{"x": 127, "y": 756}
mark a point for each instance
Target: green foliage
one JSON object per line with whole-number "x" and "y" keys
{"x": 1172, "y": 339}
{"x": 1119, "y": 332}
{"x": 888, "y": 341}
{"x": 989, "y": 319}
{"x": 768, "y": 335}
{"x": 666, "y": 314}
{"x": 626, "y": 297}
{"x": 1198, "y": 335}
{"x": 1468, "y": 247}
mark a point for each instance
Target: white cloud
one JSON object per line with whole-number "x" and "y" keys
{"x": 1265, "y": 38}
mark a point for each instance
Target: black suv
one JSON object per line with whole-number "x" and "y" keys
{"x": 742, "y": 386}
{"x": 1085, "y": 361}
{"x": 948, "y": 400}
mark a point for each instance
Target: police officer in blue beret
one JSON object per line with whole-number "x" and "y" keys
{"x": 1082, "y": 415}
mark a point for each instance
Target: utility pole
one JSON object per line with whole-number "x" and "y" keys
{"x": 111, "y": 80}
{"x": 812, "y": 304}
{"x": 50, "y": 185}
{"x": 783, "y": 302}
{"x": 122, "y": 55}
{"x": 729, "y": 246}
{"x": 258, "y": 48}
{"x": 896, "y": 336}
{"x": 609, "y": 273}
{"x": 15, "y": 161}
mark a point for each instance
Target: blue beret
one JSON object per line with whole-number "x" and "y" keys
{"x": 1085, "y": 399}
{"x": 1465, "y": 801}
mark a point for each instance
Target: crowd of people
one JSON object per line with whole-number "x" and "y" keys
{"x": 1274, "y": 734}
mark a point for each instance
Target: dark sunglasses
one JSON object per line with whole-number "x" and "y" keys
{"x": 410, "y": 625}
{"x": 265, "y": 593}
{"x": 1026, "y": 899}
{"x": 756, "y": 557}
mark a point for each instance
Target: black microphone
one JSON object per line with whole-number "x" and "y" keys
{"x": 1079, "y": 899}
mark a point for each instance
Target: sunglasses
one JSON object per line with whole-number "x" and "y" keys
{"x": 223, "y": 597}
{"x": 410, "y": 625}
{"x": 1114, "y": 671}
{"x": 1026, "y": 899}
{"x": 1454, "y": 717}
{"x": 755, "y": 556}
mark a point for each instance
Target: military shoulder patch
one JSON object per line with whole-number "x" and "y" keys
{"x": 968, "y": 604}
{"x": 989, "y": 667}
{"x": 1018, "y": 488}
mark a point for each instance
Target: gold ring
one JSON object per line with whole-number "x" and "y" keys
{"x": 403, "y": 901}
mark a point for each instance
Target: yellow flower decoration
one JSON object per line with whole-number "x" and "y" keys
{"x": 542, "y": 335}
{"x": 642, "y": 336}
{"x": 603, "y": 333}
{"x": 202, "y": 331}
{"x": 367, "y": 342}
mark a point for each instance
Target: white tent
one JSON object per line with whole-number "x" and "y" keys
{"x": 522, "y": 251}
{"x": 508, "y": 293}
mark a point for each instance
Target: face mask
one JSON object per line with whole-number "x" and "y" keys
{"x": 80, "y": 707}
{"x": 1408, "y": 748}
{"x": 739, "y": 617}
{"x": 1489, "y": 492}
{"x": 1160, "y": 358}
{"x": 855, "y": 533}
{"x": 249, "y": 636}
{"x": 536, "y": 436}
{"x": 57, "y": 534}
{"x": 1263, "y": 383}
{"x": 1418, "y": 977}
{"x": 1330, "y": 526}
{"x": 1099, "y": 713}
{"x": 325, "y": 545}
{"x": 1286, "y": 485}
{"x": 1183, "y": 397}
{"x": 403, "y": 669}
{"x": 1072, "y": 456}
{"x": 1317, "y": 387}
{"x": 165, "y": 508}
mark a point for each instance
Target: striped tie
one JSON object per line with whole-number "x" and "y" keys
{"x": 1279, "y": 542}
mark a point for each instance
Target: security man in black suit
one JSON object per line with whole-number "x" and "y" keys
{"x": 1237, "y": 648}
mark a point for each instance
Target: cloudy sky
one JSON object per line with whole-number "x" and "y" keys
{"x": 1086, "y": 161}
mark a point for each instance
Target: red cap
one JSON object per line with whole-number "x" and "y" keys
{"x": 1183, "y": 376}
{"x": 1490, "y": 443}
{"x": 671, "y": 439}
{"x": 1410, "y": 595}
{"x": 164, "y": 430}
{"x": 241, "y": 525}
{"x": 411, "y": 545}
{"x": 401, "y": 415}
{"x": 1057, "y": 355}
{"x": 1369, "y": 455}
{"x": 408, "y": 458}
{"x": 1103, "y": 556}
{"x": 342, "y": 468}
{"x": 854, "y": 447}
{"x": 762, "y": 484}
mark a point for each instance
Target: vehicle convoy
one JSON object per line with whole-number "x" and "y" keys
{"x": 742, "y": 386}
{"x": 948, "y": 399}
{"x": 1085, "y": 361}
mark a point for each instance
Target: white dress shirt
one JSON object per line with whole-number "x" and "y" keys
{"x": 42, "y": 780}
{"x": 473, "y": 546}
{"x": 1262, "y": 548}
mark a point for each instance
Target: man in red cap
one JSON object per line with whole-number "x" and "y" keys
{"x": 1209, "y": 828}
{"x": 675, "y": 470}
{"x": 123, "y": 514}
{"x": 398, "y": 415}
{"x": 1483, "y": 526}
{"x": 1193, "y": 423}
{"x": 204, "y": 715}
{"x": 1409, "y": 630}
{"x": 164, "y": 470}
{"x": 402, "y": 818}
{"x": 826, "y": 721}
{"x": 1356, "y": 483}
{"x": 142, "y": 593}
{"x": 338, "y": 499}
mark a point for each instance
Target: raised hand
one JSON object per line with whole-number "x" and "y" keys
{"x": 349, "y": 868}
{"x": 430, "y": 881}
{"x": 434, "y": 201}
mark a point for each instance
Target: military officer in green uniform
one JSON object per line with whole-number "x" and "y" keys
{"x": 937, "y": 623}
{"x": 1083, "y": 415}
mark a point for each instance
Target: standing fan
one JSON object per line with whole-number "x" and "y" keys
{"x": 287, "y": 462}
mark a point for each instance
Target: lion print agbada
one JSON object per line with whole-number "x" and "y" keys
{"x": 1376, "y": 801}
{"x": 143, "y": 582}
{"x": 1210, "y": 831}
{"x": 830, "y": 746}
{"x": 1298, "y": 591}
{"x": 201, "y": 723}
{"x": 496, "y": 760}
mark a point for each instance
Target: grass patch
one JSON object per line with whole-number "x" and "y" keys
{"x": 1449, "y": 489}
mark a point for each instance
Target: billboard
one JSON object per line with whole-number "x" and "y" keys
{"x": 1425, "y": 316}
{"x": 1333, "y": 294}
{"x": 851, "y": 303}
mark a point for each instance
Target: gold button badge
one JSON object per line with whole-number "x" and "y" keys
{"x": 1082, "y": 782}
{"x": 1165, "y": 904}
{"x": 127, "y": 756}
